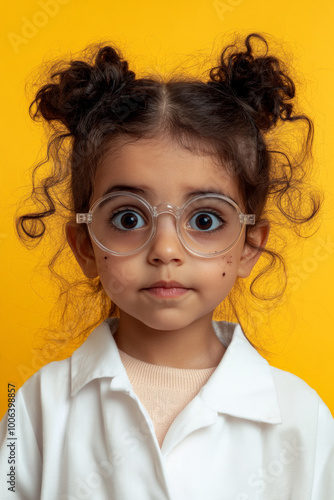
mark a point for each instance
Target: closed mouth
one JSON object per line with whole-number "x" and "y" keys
{"x": 167, "y": 284}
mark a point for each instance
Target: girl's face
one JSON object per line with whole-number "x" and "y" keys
{"x": 167, "y": 173}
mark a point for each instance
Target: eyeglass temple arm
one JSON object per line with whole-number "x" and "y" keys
{"x": 247, "y": 219}
{"x": 83, "y": 218}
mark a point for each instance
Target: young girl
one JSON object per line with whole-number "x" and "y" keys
{"x": 171, "y": 189}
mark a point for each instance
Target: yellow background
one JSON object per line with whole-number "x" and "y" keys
{"x": 152, "y": 33}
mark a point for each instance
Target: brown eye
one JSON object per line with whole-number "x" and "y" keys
{"x": 206, "y": 221}
{"x": 126, "y": 220}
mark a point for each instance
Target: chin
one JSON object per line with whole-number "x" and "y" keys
{"x": 168, "y": 321}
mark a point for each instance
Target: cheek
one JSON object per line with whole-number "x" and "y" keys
{"x": 221, "y": 273}
{"x": 102, "y": 264}
{"x": 228, "y": 266}
{"x": 116, "y": 274}
{"x": 228, "y": 275}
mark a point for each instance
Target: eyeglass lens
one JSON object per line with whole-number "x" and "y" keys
{"x": 207, "y": 225}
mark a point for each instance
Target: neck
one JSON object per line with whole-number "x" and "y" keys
{"x": 194, "y": 346}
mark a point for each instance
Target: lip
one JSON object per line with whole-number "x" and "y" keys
{"x": 167, "y": 289}
{"x": 166, "y": 293}
{"x": 166, "y": 284}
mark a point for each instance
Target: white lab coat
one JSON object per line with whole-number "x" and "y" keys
{"x": 253, "y": 432}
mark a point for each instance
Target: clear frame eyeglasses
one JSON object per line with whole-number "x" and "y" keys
{"x": 123, "y": 223}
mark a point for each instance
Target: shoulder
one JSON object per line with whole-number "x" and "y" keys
{"x": 290, "y": 385}
{"x": 53, "y": 372}
{"x": 54, "y": 383}
{"x": 297, "y": 399}
{"x": 40, "y": 399}
{"x": 47, "y": 385}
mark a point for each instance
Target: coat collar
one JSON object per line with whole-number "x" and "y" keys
{"x": 241, "y": 386}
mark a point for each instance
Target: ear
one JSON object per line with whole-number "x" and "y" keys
{"x": 258, "y": 236}
{"x": 81, "y": 246}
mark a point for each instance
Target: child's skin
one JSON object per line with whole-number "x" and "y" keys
{"x": 177, "y": 331}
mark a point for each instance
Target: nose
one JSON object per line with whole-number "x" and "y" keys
{"x": 165, "y": 245}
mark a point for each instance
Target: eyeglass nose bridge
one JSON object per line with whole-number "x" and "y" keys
{"x": 166, "y": 208}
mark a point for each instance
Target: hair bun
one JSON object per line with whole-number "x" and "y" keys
{"x": 257, "y": 83}
{"x": 81, "y": 89}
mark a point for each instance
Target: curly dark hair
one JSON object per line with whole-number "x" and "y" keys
{"x": 242, "y": 115}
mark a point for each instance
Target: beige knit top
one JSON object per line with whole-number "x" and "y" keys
{"x": 164, "y": 391}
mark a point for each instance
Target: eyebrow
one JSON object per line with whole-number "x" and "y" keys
{"x": 143, "y": 192}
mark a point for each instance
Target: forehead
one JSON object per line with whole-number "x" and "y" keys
{"x": 164, "y": 169}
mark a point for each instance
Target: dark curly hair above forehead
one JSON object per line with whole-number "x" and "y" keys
{"x": 242, "y": 114}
